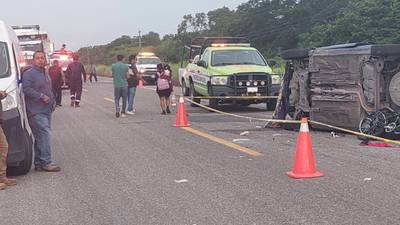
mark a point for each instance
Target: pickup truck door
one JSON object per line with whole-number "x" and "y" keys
{"x": 200, "y": 75}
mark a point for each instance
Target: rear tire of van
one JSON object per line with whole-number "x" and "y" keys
{"x": 193, "y": 93}
{"x": 26, "y": 164}
{"x": 295, "y": 54}
{"x": 185, "y": 90}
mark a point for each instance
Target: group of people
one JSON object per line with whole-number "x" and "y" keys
{"x": 76, "y": 75}
{"x": 42, "y": 92}
{"x": 125, "y": 80}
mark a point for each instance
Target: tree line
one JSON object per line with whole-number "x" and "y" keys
{"x": 272, "y": 26}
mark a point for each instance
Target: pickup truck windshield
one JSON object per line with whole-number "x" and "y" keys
{"x": 236, "y": 57}
{"x": 4, "y": 61}
{"x": 148, "y": 61}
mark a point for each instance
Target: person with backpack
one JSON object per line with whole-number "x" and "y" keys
{"x": 164, "y": 87}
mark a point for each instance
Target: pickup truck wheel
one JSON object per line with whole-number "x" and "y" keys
{"x": 193, "y": 93}
{"x": 213, "y": 103}
{"x": 26, "y": 164}
{"x": 185, "y": 90}
{"x": 271, "y": 104}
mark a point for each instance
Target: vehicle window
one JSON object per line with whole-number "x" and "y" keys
{"x": 205, "y": 55}
{"x": 148, "y": 61}
{"x": 15, "y": 61}
{"x": 237, "y": 57}
{"x": 4, "y": 61}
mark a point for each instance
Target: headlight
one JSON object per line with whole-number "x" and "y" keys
{"x": 142, "y": 71}
{"x": 219, "y": 80}
{"x": 262, "y": 83}
{"x": 240, "y": 83}
{"x": 276, "y": 79}
{"x": 10, "y": 102}
{"x": 248, "y": 83}
{"x": 255, "y": 83}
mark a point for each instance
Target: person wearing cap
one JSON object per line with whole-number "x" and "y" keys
{"x": 76, "y": 72}
{"x": 4, "y": 180}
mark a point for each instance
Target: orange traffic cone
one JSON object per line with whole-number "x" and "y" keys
{"x": 304, "y": 163}
{"x": 181, "y": 116}
{"x": 140, "y": 84}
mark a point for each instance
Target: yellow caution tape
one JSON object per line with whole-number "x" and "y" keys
{"x": 234, "y": 97}
{"x": 242, "y": 117}
{"x": 295, "y": 122}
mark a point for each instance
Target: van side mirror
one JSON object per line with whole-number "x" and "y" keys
{"x": 202, "y": 63}
{"x": 272, "y": 63}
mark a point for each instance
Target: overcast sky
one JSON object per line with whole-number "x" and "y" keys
{"x": 80, "y": 23}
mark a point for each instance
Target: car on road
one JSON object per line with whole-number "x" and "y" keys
{"x": 64, "y": 58}
{"x": 15, "y": 122}
{"x": 147, "y": 66}
{"x": 342, "y": 84}
{"x": 221, "y": 67}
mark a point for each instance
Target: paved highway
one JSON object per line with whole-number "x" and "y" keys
{"x": 141, "y": 170}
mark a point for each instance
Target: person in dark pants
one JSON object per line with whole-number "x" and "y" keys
{"x": 4, "y": 180}
{"x": 75, "y": 73}
{"x": 120, "y": 76}
{"x": 57, "y": 78}
{"x": 93, "y": 73}
{"x": 40, "y": 104}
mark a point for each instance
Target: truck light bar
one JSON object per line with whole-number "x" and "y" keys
{"x": 230, "y": 45}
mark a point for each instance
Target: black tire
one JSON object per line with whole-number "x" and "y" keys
{"x": 295, "y": 53}
{"x": 271, "y": 104}
{"x": 213, "y": 103}
{"x": 193, "y": 93}
{"x": 26, "y": 164}
{"x": 385, "y": 50}
{"x": 185, "y": 90}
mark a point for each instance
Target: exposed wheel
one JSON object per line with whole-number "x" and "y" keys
{"x": 295, "y": 54}
{"x": 385, "y": 50}
{"x": 213, "y": 103}
{"x": 26, "y": 164}
{"x": 193, "y": 94}
{"x": 394, "y": 92}
{"x": 185, "y": 90}
{"x": 271, "y": 104}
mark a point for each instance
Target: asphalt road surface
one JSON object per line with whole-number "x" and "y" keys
{"x": 141, "y": 170}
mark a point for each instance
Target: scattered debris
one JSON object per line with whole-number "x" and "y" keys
{"x": 376, "y": 144}
{"x": 250, "y": 159}
{"x": 244, "y": 133}
{"x": 240, "y": 140}
{"x": 367, "y": 179}
{"x": 258, "y": 127}
{"x": 241, "y": 156}
{"x": 334, "y": 135}
{"x": 181, "y": 181}
{"x": 276, "y": 135}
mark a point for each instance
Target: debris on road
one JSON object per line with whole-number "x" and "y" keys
{"x": 334, "y": 135}
{"x": 240, "y": 140}
{"x": 379, "y": 144}
{"x": 181, "y": 181}
{"x": 276, "y": 135}
{"x": 367, "y": 179}
{"x": 244, "y": 133}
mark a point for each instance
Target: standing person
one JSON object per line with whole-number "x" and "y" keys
{"x": 39, "y": 100}
{"x": 57, "y": 78}
{"x": 4, "y": 180}
{"x": 93, "y": 73}
{"x": 120, "y": 73}
{"x": 163, "y": 83}
{"x": 168, "y": 99}
{"x": 76, "y": 72}
{"x": 133, "y": 78}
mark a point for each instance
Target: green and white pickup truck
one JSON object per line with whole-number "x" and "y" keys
{"x": 228, "y": 70}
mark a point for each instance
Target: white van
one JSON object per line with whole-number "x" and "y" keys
{"x": 15, "y": 121}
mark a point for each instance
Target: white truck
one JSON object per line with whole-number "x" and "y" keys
{"x": 32, "y": 39}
